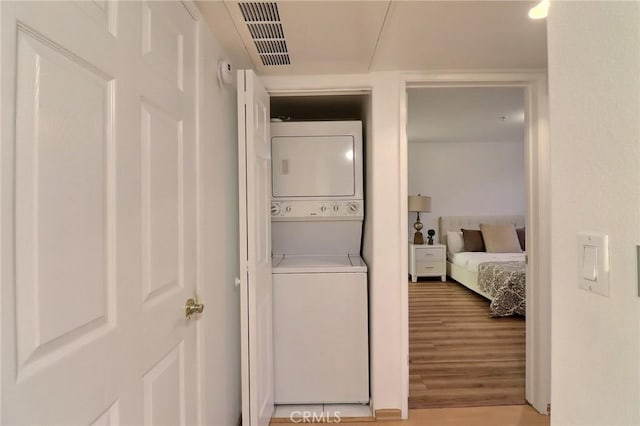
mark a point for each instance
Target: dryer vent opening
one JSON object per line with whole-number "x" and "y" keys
{"x": 265, "y": 27}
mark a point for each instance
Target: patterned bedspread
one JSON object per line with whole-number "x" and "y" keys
{"x": 505, "y": 283}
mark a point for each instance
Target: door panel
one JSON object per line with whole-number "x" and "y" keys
{"x": 103, "y": 13}
{"x": 62, "y": 165}
{"x": 163, "y": 44}
{"x": 108, "y": 418}
{"x": 98, "y": 219}
{"x": 255, "y": 250}
{"x": 164, "y": 390}
{"x": 161, "y": 192}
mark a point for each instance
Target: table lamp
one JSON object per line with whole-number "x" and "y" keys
{"x": 419, "y": 203}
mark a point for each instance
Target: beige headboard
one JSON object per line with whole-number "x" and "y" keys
{"x": 455, "y": 223}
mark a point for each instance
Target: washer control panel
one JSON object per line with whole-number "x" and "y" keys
{"x": 314, "y": 209}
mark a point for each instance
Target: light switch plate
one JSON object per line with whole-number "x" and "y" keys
{"x": 638, "y": 267}
{"x": 593, "y": 262}
{"x": 590, "y": 262}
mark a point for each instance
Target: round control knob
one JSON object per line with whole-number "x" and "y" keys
{"x": 323, "y": 208}
{"x": 288, "y": 209}
{"x": 336, "y": 208}
{"x": 275, "y": 209}
{"x": 353, "y": 207}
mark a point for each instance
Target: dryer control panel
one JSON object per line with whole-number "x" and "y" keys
{"x": 317, "y": 210}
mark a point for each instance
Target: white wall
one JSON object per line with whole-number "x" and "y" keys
{"x": 219, "y": 328}
{"x": 385, "y": 295}
{"x": 594, "y": 87}
{"x": 467, "y": 178}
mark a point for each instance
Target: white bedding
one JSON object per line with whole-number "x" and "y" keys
{"x": 471, "y": 260}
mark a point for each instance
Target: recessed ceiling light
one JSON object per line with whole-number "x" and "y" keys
{"x": 540, "y": 10}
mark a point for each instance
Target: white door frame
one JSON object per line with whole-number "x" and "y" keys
{"x": 390, "y": 382}
{"x": 538, "y": 325}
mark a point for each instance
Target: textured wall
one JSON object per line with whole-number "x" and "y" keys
{"x": 594, "y": 87}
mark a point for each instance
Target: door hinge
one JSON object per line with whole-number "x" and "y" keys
{"x": 526, "y": 259}
{"x": 549, "y": 408}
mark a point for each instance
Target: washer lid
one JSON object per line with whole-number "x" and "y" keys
{"x": 290, "y": 264}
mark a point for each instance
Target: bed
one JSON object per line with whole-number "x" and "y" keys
{"x": 499, "y": 277}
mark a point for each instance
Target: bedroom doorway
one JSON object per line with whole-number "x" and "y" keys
{"x": 525, "y": 353}
{"x": 466, "y": 153}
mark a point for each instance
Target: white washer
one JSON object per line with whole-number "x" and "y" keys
{"x": 300, "y": 264}
{"x": 321, "y": 351}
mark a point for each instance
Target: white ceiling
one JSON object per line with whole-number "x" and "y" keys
{"x": 360, "y": 36}
{"x": 469, "y": 114}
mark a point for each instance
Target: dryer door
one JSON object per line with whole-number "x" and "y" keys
{"x": 313, "y": 166}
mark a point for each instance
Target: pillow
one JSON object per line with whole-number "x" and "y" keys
{"x": 473, "y": 240}
{"x": 521, "y": 237}
{"x": 455, "y": 243}
{"x": 500, "y": 238}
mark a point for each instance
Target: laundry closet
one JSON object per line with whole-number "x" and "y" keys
{"x": 320, "y": 297}
{"x": 304, "y": 241}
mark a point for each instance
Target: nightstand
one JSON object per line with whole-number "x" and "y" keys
{"x": 427, "y": 261}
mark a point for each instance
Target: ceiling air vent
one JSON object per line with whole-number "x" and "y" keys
{"x": 263, "y": 22}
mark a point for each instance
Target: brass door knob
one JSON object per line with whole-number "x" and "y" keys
{"x": 193, "y": 307}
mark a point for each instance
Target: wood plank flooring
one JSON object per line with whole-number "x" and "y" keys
{"x": 515, "y": 415}
{"x": 459, "y": 355}
{"x": 512, "y": 415}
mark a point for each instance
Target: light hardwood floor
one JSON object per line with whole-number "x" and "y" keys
{"x": 507, "y": 415}
{"x": 459, "y": 355}
{"x": 514, "y": 415}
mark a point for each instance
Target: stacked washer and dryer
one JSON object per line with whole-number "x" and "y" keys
{"x": 320, "y": 318}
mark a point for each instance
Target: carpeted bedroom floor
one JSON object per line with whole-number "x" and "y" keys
{"x": 458, "y": 355}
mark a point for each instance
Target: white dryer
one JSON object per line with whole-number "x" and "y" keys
{"x": 320, "y": 297}
{"x": 320, "y": 160}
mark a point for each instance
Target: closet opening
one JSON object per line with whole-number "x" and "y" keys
{"x": 321, "y": 256}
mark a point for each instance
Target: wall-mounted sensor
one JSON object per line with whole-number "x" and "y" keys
{"x": 225, "y": 72}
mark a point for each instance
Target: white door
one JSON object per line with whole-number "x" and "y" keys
{"x": 98, "y": 213}
{"x": 255, "y": 250}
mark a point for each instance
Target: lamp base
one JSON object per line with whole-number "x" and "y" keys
{"x": 418, "y": 238}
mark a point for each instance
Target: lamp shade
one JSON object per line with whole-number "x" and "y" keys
{"x": 419, "y": 203}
